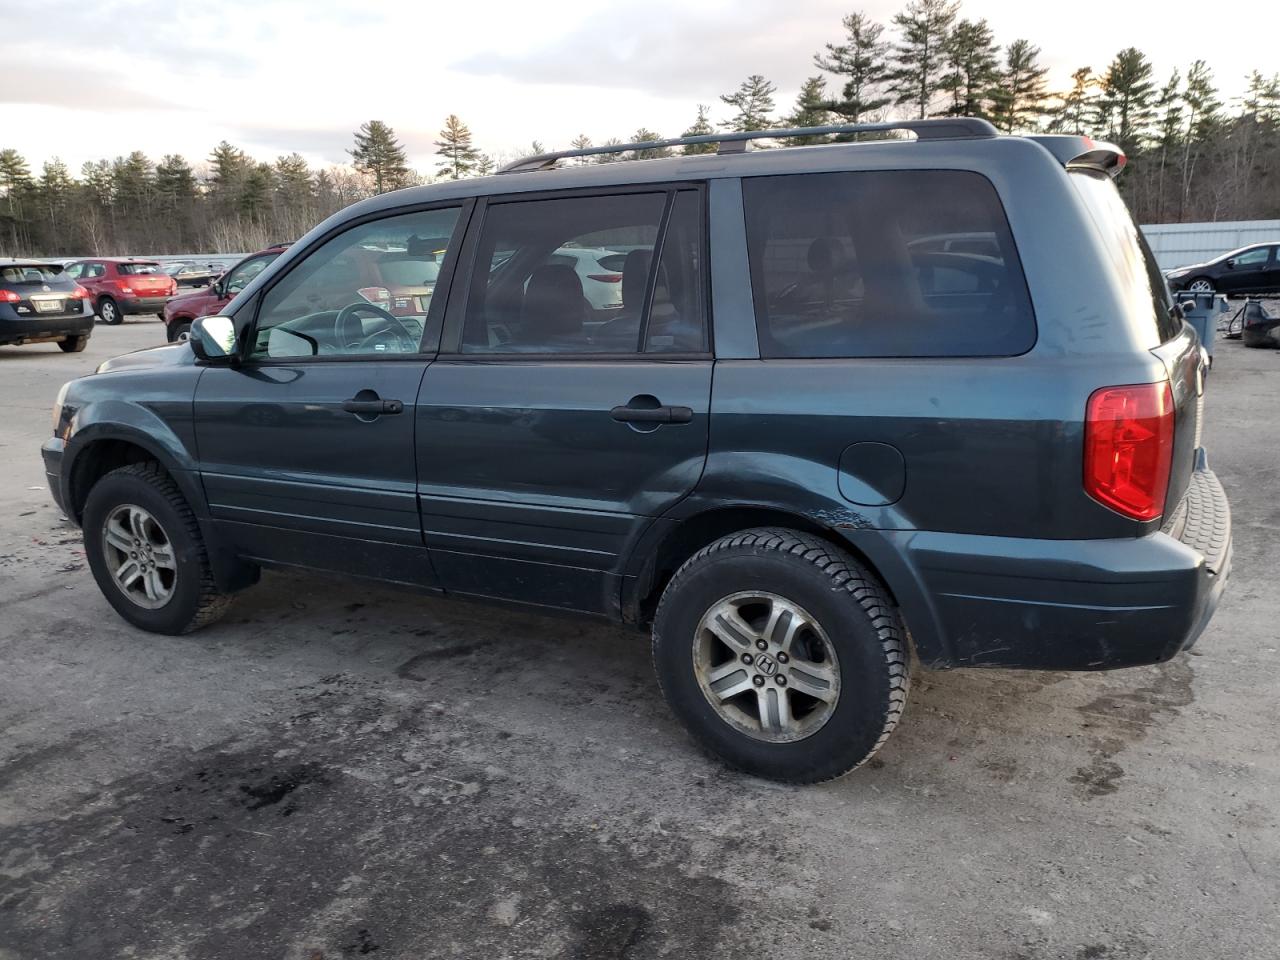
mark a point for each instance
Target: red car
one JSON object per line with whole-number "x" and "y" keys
{"x": 122, "y": 285}
{"x": 181, "y": 311}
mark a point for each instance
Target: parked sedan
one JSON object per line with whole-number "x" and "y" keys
{"x": 1250, "y": 270}
{"x": 39, "y": 303}
{"x": 193, "y": 273}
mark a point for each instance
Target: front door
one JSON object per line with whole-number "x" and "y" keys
{"x": 566, "y": 416}
{"x": 1248, "y": 271}
{"x": 307, "y": 448}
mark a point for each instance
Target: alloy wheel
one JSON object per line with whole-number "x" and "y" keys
{"x": 766, "y": 667}
{"x": 140, "y": 557}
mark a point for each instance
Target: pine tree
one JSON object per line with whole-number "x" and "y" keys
{"x": 455, "y": 147}
{"x": 379, "y": 155}
{"x": 1201, "y": 99}
{"x": 753, "y": 103}
{"x": 1169, "y": 106}
{"x": 175, "y": 182}
{"x": 1127, "y": 91}
{"x": 973, "y": 68}
{"x": 581, "y": 142}
{"x": 1020, "y": 93}
{"x": 919, "y": 58}
{"x": 484, "y": 165}
{"x": 653, "y": 153}
{"x": 810, "y": 111}
{"x": 610, "y": 157}
{"x": 255, "y": 197}
{"x": 15, "y": 183}
{"x": 701, "y": 128}
{"x": 1073, "y": 114}
{"x": 862, "y": 63}
{"x": 54, "y": 189}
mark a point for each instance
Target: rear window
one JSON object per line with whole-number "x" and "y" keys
{"x": 26, "y": 273}
{"x": 137, "y": 269}
{"x": 885, "y": 264}
{"x": 1146, "y": 291}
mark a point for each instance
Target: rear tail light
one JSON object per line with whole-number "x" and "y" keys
{"x": 79, "y": 293}
{"x": 8, "y": 296}
{"x": 1128, "y": 448}
{"x": 125, "y": 289}
{"x": 605, "y": 277}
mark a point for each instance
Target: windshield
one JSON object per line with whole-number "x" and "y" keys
{"x": 1134, "y": 263}
{"x": 31, "y": 273}
{"x": 138, "y": 269}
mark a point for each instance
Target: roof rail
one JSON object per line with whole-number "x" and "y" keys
{"x": 956, "y": 128}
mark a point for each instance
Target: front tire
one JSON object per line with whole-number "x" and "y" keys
{"x": 109, "y": 311}
{"x": 1201, "y": 285}
{"x": 782, "y": 655}
{"x": 146, "y": 552}
{"x": 74, "y": 344}
{"x": 180, "y": 331}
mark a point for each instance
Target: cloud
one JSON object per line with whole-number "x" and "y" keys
{"x": 75, "y": 86}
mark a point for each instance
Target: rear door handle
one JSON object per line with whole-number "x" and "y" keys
{"x": 372, "y": 407}
{"x": 652, "y": 414}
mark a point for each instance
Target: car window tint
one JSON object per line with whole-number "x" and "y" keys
{"x": 677, "y": 321}
{"x": 885, "y": 264}
{"x": 546, "y": 291}
{"x": 1252, "y": 258}
{"x": 137, "y": 269}
{"x": 239, "y": 277}
{"x": 366, "y": 292}
{"x": 75, "y": 270}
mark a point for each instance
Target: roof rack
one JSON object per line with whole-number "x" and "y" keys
{"x": 956, "y": 128}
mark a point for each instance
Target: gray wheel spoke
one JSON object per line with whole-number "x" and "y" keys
{"x": 163, "y": 557}
{"x": 119, "y": 538}
{"x": 732, "y": 680}
{"x": 128, "y": 572}
{"x": 728, "y": 625}
{"x": 784, "y": 623}
{"x": 152, "y": 585}
{"x": 818, "y": 680}
{"x": 775, "y": 710}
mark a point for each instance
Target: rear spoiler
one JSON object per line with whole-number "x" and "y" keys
{"x": 1084, "y": 153}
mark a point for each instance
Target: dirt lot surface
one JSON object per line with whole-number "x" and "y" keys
{"x": 340, "y": 770}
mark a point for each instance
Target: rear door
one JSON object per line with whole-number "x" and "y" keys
{"x": 1271, "y": 282}
{"x": 307, "y": 448}
{"x": 549, "y": 437}
{"x": 1247, "y": 272}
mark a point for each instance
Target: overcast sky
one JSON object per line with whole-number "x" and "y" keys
{"x": 87, "y": 81}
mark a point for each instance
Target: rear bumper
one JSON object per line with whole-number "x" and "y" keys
{"x": 36, "y": 328}
{"x": 132, "y": 305}
{"x": 1075, "y": 604}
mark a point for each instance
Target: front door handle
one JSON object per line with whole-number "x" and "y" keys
{"x": 658, "y": 414}
{"x": 375, "y": 408}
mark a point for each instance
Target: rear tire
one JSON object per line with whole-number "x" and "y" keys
{"x": 185, "y": 597}
{"x": 109, "y": 311}
{"x": 831, "y": 614}
{"x": 74, "y": 344}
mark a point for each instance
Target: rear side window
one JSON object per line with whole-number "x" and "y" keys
{"x": 548, "y": 289}
{"x": 915, "y": 263}
{"x": 1144, "y": 285}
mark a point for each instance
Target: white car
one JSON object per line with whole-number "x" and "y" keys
{"x": 600, "y": 271}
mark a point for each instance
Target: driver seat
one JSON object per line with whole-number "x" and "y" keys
{"x": 553, "y": 308}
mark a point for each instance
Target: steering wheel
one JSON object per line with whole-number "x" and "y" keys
{"x": 341, "y": 336}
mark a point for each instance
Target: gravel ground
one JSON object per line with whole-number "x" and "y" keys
{"x": 341, "y": 770}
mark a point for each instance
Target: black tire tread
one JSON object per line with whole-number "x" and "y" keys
{"x": 213, "y": 604}
{"x": 846, "y": 573}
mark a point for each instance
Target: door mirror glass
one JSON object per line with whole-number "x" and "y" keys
{"x": 1230, "y": 264}
{"x": 213, "y": 339}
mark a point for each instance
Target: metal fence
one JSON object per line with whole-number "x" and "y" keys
{"x": 1178, "y": 244}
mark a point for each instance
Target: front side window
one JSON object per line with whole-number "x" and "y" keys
{"x": 576, "y": 275}
{"x": 239, "y": 278}
{"x": 915, "y": 263}
{"x": 1256, "y": 257}
{"x": 75, "y": 270}
{"x": 366, "y": 292}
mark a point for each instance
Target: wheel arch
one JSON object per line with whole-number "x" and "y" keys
{"x": 669, "y": 544}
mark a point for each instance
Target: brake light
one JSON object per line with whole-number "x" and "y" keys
{"x": 605, "y": 277}
{"x": 8, "y": 296}
{"x": 79, "y": 293}
{"x": 1128, "y": 448}
{"x": 125, "y": 289}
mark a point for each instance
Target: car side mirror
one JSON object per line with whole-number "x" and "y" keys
{"x": 1230, "y": 264}
{"x": 213, "y": 340}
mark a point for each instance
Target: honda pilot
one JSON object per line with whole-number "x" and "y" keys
{"x": 858, "y": 403}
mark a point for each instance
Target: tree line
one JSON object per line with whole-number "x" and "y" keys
{"x": 1191, "y": 156}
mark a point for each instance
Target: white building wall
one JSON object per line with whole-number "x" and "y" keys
{"x": 1178, "y": 244}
